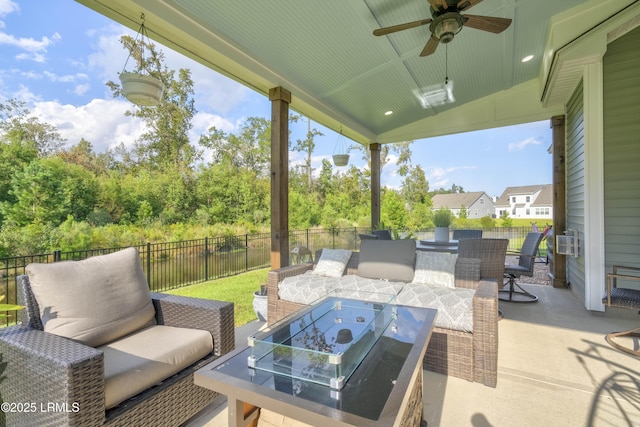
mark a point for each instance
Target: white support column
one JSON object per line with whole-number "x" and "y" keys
{"x": 593, "y": 238}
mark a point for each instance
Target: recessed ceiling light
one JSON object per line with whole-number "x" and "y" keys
{"x": 527, "y": 58}
{"x": 388, "y": 113}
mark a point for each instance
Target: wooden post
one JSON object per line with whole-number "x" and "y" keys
{"x": 375, "y": 184}
{"x": 559, "y": 266}
{"x": 280, "y": 99}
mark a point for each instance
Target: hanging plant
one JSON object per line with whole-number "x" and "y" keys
{"x": 141, "y": 87}
{"x": 341, "y": 153}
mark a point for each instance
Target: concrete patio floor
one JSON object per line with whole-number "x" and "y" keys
{"x": 554, "y": 369}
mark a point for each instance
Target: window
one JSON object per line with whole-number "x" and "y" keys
{"x": 528, "y": 199}
{"x": 482, "y": 201}
{"x": 528, "y": 211}
{"x": 513, "y": 199}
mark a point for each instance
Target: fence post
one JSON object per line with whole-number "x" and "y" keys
{"x": 206, "y": 259}
{"x": 307, "y": 244}
{"x": 149, "y": 265}
{"x": 57, "y": 255}
{"x": 246, "y": 252}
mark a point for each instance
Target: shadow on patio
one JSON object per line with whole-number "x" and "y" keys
{"x": 554, "y": 369}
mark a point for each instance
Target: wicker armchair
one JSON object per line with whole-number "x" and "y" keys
{"x": 62, "y": 381}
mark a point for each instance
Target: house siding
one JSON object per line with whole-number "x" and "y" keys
{"x": 575, "y": 185}
{"x": 533, "y": 201}
{"x": 622, "y": 152}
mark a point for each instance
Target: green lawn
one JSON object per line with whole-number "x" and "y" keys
{"x": 236, "y": 289}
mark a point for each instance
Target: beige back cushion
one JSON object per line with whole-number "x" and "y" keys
{"x": 93, "y": 301}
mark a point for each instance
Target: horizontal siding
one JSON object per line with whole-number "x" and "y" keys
{"x": 622, "y": 152}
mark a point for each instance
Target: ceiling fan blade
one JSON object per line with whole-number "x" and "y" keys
{"x": 431, "y": 46}
{"x": 466, "y": 4}
{"x": 487, "y": 23}
{"x": 439, "y": 4}
{"x": 400, "y": 27}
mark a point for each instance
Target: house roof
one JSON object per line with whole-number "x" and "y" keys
{"x": 456, "y": 200}
{"x": 343, "y": 77}
{"x": 544, "y": 198}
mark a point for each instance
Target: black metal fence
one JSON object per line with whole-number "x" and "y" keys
{"x": 176, "y": 264}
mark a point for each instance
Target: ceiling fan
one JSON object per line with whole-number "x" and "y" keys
{"x": 447, "y": 21}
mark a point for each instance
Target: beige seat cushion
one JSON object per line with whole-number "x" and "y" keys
{"x": 134, "y": 363}
{"x": 93, "y": 301}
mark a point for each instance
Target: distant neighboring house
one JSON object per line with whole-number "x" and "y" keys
{"x": 478, "y": 204}
{"x": 530, "y": 201}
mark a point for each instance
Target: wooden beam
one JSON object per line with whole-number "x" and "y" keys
{"x": 375, "y": 184}
{"x": 280, "y": 99}
{"x": 558, "y": 269}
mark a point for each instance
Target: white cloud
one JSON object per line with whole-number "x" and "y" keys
{"x": 7, "y": 7}
{"x": 33, "y": 49}
{"x": 108, "y": 57}
{"x": 212, "y": 90}
{"x": 82, "y": 89}
{"x": 68, "y": 78}
{"x": 24, "y": 94}
{"x": 101, "y": 122}
{"x": 440, "y": 177}
{"x": 521, "y": 145}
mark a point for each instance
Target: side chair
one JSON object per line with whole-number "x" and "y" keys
{"x": 364, "y": 236}
{"x": 383, "y": 234}
{"x": 466, "y": 234}
{"x": 623, "y": 297}
{"x": 526, "y": 262}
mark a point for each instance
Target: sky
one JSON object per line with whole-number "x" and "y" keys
{"x": 57, "y": 55}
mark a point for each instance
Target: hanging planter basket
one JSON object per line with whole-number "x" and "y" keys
{"x": 141, "y": 89}
{"x": 341, "y": 158}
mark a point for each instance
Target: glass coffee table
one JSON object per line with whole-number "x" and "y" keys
{"x": 342, "y": 361}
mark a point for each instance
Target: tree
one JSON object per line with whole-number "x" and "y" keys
{"x": 415, "y": 187}
{"x": 401, "y": 149}
{"x": 505, "y": 219}
{"x": 307, "y": 146}
{"x": 47, "y": 190}
{"x": 19, "y": 126}
{"x": 249, "y": 148}
{"x": 82, "y": 154}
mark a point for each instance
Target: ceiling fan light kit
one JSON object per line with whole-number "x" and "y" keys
{"x": 446, "y": 26}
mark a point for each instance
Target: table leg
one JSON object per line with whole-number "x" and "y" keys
{"x": 242, "y": 414}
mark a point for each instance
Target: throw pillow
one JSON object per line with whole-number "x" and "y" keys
{"x": 93, "y": 301}
{"x": 387, "y": 259}
{"x": 332, "y": 262}
{"x": 435, "y": 268}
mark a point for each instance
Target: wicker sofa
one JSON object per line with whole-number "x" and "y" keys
{"x": 469, "y": 355}
{"x": 62, "y": 379}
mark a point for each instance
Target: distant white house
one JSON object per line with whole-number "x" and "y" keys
{"x": 531, "y": 201}
{"x": 477, "y": 204}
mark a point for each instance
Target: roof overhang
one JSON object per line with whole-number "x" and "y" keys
{"x": 343, "y": 77}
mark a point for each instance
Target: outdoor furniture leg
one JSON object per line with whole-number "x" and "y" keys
{"x": 634, "y": 333}
{"x": 525, "y": 297}
{"x": 241, "y": 414}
